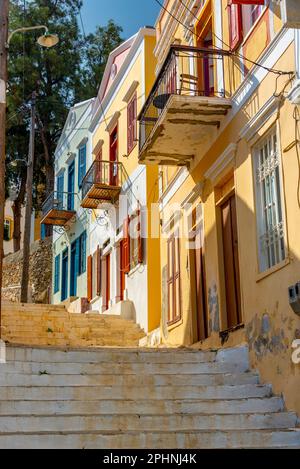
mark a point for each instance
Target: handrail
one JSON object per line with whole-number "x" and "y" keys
{"x": 66, "y": 200}
{"x": 182, "y": 48}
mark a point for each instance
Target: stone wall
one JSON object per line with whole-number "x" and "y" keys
{"x": 40, "y": 273}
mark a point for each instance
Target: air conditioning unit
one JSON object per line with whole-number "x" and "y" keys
{"x": 290, "y": 12}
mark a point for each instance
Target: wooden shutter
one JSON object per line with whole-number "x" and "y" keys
{"x": 131, "y": 123}
{"x": 129, "y": 127}
{"x": 235, "y": 25}
{"x": 246, "y": 2}
{"x": 139, "y": 240}
{"x": 99, "y": 264}
{"x": 126, "y": 246}
{"x": 89, "y": 277}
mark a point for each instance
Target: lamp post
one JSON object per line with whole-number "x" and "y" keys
{"x": 47, "y": 40}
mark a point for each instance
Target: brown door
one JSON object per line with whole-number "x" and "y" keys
{"x": 106, "y": 283}
{"x": 122, "y": 271}
{"x": 231, "y": 262}
{"x": 200, "y": 284}
{"x": 107, "y": 280}
{"x": 113, "y": 158}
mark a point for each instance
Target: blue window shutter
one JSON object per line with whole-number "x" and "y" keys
{"x": 43, "y": 231}
{"x": 60, "y": 187}
{"x": 81, "y": 164}
{"x": 83, "y": 252}
{"x": 77, "y": 258}
{"x": 57, "y": 274}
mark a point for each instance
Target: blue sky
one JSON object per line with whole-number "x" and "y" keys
{"x": 130, "y": 14}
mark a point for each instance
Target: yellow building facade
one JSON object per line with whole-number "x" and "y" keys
{"x": 129, "y": 267}
{"x": 222, "y": 125}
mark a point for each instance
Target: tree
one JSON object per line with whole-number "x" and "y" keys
{"x": 62, "y": 75}
{"x": 97, "y": 48}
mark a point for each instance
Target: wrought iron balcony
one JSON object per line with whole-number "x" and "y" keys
{"x": 58, "y": 208}
{"x": 186, "y": 106}
{"x": 102, "y": 183}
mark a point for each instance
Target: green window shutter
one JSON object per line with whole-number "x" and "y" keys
{"x": 57, "y": 274}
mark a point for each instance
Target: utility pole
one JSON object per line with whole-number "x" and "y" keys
{"x": 4, "y": 8}
{"x": 28, "y": 212}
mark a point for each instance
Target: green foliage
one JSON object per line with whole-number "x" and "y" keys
{"x": 65, "y": 74}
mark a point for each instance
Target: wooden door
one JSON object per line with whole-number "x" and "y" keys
{"x": 113, "y": 157}
{"x": 98, "y": 168}
{"x": 107, "y": 290}
{"x": 64, "y": 275}
{"x": 71, "y": 186}
{"x": 231, "y": 262}
{"x": 200, "y": 288}
{"x": 122, "y": 271}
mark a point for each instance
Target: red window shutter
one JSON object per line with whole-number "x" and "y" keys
{"x": 129, "y": 128}
{"x": 99, "y": 263}
{"x": 246, "y": 2}
{"x": 235, "y": 25}
{"x": 126, "y": 246}
{"x": 131, "y": 123}
{"x": 89, "y": 277}
{"x": 140, "y": 241}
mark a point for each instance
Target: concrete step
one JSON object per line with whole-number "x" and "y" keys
{"x": 117, "y": 355}
{"x": 134, "y": 392}
{"x": 160, "y": 440}
{"x": 10, "y": 379}
{"x": 131, "y": 422}
{"x": 70, "y": 368}
{"x": 143, "y": 407}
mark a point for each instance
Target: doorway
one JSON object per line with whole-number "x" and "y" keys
{"x": 231, "y": 262}
{"x": 106, "y": 284}
{"x": 74, "y": 268}
{"x": 64, "y": 276}
{"x": 122, "y": 271}
{"x": 71, "y": 185}
{"x": 113, "y": 157}
{"x": 201, "y": 322}
{"x": 206, "y": 61}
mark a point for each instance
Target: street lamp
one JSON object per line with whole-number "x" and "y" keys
{"x": 46, "y": 40}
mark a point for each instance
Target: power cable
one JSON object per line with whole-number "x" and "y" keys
{"x": 236, "y": 54}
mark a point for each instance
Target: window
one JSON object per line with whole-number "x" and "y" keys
{"x": 60, "y": 189}
{"x": 7, "y": 229}
{"x": 250, "y": 14}
{"x": 132, "y": 123}
{"x": 135, "y": 250}
{"x": 270, "y": 223}
{"x": 81, "y": 164}
{"x": 173, "y": 280}
{"x": 82, "y": 253}
{"x": 242, "y": 17}
{"x": 57, "y": 274}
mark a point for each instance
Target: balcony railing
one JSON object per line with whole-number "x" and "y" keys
{"x": 102, "y": 183}
{"x": 58, "y": 208}
{"x": 188, "y": 71}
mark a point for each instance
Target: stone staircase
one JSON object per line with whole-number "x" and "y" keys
{"x": 138, "y": 398}
{"x": 35, "y": 324}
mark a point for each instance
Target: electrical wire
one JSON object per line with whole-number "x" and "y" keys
{"x": 235, "y": 54}
{"x": 296, "y": 116}
{"x": 84, "y": 35}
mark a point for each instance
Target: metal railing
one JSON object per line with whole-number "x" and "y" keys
{"x": 106, "y": 173}
{"x": 61, "y": 201}
{"x": 187, "y": 71}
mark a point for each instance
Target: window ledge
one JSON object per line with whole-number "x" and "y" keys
{"x": 172, "y": 325}
{"x": 272, "y": 270}
{"x": 134, "y": 269}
